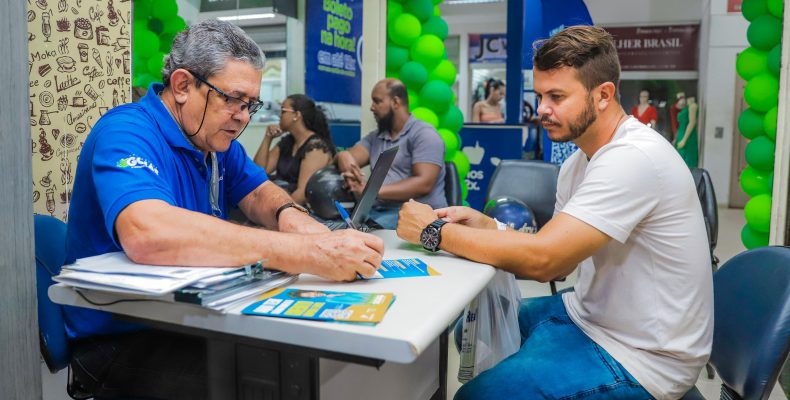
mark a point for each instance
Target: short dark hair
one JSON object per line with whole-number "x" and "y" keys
{"x": 396, "y": 88}
{"x": 590, "y": 50}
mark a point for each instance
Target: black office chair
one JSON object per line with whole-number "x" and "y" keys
{"x": 710, "y": 212}
{"x": 533, "y": 182}
{"x": 751, "y": 335}
{"x": 50, "y": 241}
{"x": 452, "y": 185}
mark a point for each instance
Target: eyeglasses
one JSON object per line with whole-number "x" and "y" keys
{"x": 235, "y": 104}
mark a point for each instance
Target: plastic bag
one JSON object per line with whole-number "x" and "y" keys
{"x": 490, "y": 327}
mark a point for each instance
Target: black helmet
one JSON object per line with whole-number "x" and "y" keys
{"x": 324, "y": 188}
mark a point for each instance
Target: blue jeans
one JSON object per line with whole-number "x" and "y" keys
{"x": 556, "y": 361}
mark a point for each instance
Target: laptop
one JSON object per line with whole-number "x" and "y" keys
{"x": 361, "y": 211}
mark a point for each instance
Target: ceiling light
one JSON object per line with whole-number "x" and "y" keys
{"x": 245, "y": 17}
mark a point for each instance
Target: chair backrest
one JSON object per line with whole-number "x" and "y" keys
{"x": 50, "y": 236}
{"x": 533, "y": 182}
{"x": 707, "y": 198}
{"x": 452, "y": 185}
{"x": 751, "y": 337}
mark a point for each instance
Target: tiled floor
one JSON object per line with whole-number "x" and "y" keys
{"x": 730, "y": 223}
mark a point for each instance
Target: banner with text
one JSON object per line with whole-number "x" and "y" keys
{"x": 657, "y": 48}
{"x": 487, "y": 48}
{"x": 333, "y": 63}
{"x": 486, "y": 146}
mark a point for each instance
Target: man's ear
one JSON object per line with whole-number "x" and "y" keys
{"x": 181, "y": 85}
{"x": 606, "y": 95}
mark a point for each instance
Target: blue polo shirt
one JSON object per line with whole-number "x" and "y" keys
{"x": 137, "y": 152}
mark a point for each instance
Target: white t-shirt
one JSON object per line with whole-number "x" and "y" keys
{"x": 647, "y": 296}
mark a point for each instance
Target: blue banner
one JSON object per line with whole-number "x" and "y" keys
{"x": 486, "y": 146}
{"x": 333, "y": 43}
{"x": 544, "y": 18}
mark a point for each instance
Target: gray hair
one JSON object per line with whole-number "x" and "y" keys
{"x": 206, "y": 47}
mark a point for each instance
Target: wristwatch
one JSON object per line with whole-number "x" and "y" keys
{"x": 431, "y": 236}
{"x": 289, "y": 205}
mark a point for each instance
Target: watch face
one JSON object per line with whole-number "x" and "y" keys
{"x": 430, "y": 238}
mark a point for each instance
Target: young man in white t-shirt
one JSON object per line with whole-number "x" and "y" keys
{"x": 639, "y": 323}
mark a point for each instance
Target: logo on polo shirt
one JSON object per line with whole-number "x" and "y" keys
{"x": 134, "y": 161}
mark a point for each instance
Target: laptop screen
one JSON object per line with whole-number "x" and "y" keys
{"x": 371, "y": 190}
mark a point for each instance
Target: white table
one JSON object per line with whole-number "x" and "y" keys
{"x": 422, "y": 311}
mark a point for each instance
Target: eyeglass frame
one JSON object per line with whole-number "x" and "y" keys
{"x": 252, "y": 107}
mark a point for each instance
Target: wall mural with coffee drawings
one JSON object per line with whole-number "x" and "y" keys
{"x": 79, "y": 67}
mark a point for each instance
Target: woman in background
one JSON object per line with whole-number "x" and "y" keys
{"x": 307, "y": 148}
{"x": 686, "y": 141}
{"x": 489, "y": 111}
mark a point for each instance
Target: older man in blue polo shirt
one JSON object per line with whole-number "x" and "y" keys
{"x": 156, "y": 178}
{"x": 418, "y": 170}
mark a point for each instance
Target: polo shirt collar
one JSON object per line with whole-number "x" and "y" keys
{"x": 168, "y": 127}
{"x": 405, "y": 130}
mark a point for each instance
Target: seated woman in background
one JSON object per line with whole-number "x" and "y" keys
{"x": 489, "y": 111}
{"x": 307, "y": 149}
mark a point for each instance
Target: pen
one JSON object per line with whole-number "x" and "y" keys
{"x": 344, "y": 215}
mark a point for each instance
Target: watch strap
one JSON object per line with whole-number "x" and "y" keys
{"x": 286, "y": 206}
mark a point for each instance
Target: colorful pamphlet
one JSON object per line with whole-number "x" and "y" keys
{"x": 404, "y": 268}
{"x": 322, "y": 305}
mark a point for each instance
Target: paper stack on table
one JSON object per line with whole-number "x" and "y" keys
{"x": 215, "y": 288}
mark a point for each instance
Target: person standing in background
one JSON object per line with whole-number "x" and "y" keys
{"x": 643, "y": 111}
{"x": 674, "y": 110}
{"x": 686, "y": 141}
{"x": 489, "y": 111}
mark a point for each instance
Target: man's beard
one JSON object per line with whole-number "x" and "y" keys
{"x": 385, "y": 122}
{"x": 578, "y": 126}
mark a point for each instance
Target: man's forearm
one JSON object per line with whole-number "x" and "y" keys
{"x": 410, "y": 188}
{"x": 161, "y": 234}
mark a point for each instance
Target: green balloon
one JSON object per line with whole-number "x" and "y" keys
{"x": 464, "y": 192}
{"x": 142, "y": 9}
{"x": 762, "y": 92}
{"x": 166, "y": 42}
{"x": 752, "y": 9}
{"x": 750, "y": 123}
{"x": 139, "y": 66}
{"x": 404, "y": 29}
{"x": 436, "y": 95}
{"x": 144, "y": 43}
{"x": 414, "y": 100}
{"x": 437, "y": 2}
{"x": 774, "y": 60}
{"x": 452, "y": 120}
{"x": 396, "y": 56}
{"x": 391, "y": 75}
{"x": 413, "y": 75}
{"x": 758, "y": 212}
{"x": 165, "y": 9}
{"x": 764, "y": 32}
{"x": 445, "y": 71}
{"x": 451, "y": 144}
{"x": 422, "y": 9}
{"x": 461, "y": 164}
{"x": 435, "y": 26}
{"x": 437, "y": 12}
{"x": 760, "y": 153}
{"x": 144, "y": 80}
{"x": 769, "y": 123}
{"x": 752, "y": 239}
{"x": 393, "y": 10}
{"x": 427, "y": 50}
{"x": 751, "y": 62}
{"x": 175, "y": 25}
{"x": 424, "y": 114}
{"x": 156, "y": 63}
{"x": 155, "y": 25}
{"x": 776, "y": 8}
{"x": 754, "y": 182}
